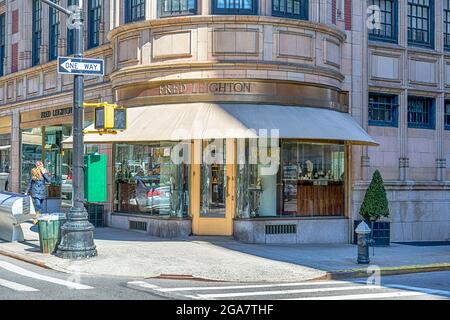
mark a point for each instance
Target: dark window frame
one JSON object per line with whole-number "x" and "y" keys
{"x": 36, "y": 25}
{"x": 416, "y": 117}
{"x": 178, "y": 13}
{"x": 130, "y": 7}
{"x": 447, "y": 115}
{"x": 388, "y": 107}
{"x": 54, "y": 32}
{"x": 2, "y": 42}
{"x": 446, "y": 31}
{"x": 252, "y": 11}
{"x": 94, "y": 21}
{"x": 394, "y": 23}
{"x": 431, "y": 29}
{"x": 303, "y": 6}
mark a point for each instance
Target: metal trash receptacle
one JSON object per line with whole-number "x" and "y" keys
{"x": 50, "y": 231}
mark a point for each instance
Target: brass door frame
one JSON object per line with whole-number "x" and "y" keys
{"x": 213, "y": 225}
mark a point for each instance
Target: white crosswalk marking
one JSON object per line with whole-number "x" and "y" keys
{"x": 279, "y": 292}
{"x": 13, "y": 268}
{"x": 255, "y": 286}
{"x": 313, "y": 290}
{"x": 16, "y": 286}
{"x": 424, "y": 290}
{"x": 381, "y": 295}
{"x": 143, "y": 284}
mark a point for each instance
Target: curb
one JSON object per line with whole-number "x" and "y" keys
{"x": 387, "y": 271}
{"x": 24, "y": 259}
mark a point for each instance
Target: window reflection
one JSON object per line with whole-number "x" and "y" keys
{"x": 5, "y": 165}
{"x": 153, "y": 178}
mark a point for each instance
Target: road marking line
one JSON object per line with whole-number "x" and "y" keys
{"x": 263, "y": 293}
{"x": 424, "y": 290}
{"x": 13, "y": 268}
{"x": 381, "y": 295}
{"x": 16, "y": 286}
{"x": 143, "y": 284}
{"x": 253, "y": 286}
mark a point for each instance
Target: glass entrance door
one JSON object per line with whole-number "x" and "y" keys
{"x": 215, "y": 211}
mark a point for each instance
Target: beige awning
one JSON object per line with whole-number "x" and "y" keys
{"x": 216, "y": 121}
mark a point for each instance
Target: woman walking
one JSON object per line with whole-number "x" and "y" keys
{"x": 36, "y": 183}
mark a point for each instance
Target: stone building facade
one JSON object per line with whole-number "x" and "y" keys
{"x": 318, "y": 55}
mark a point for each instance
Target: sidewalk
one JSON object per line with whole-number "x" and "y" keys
{"x": 136, "y": 255}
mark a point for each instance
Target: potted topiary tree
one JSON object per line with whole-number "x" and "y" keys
{"x": 374, "y": 207}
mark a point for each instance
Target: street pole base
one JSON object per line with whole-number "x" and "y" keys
{"x": 363, "y": 261}
{"x": 77, "y": 240}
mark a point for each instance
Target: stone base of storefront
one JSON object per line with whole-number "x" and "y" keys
{"x": 292, "y": 230}
{"x": 154, "y": 226}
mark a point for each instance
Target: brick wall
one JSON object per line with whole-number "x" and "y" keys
{"x": 15, "y": 57}
{"x": 333, "y": 11}
{"x": 15, "y": 21}
{"x": 348, "y": 14}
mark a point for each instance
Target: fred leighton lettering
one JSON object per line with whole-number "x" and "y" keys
{"x": 205, "y": 87}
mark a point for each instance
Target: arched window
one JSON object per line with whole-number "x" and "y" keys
{"x": 234, "y": 6}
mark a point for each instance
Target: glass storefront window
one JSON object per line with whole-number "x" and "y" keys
{"x": 152, "y": 178}
{"x": 256, "y": 178}
{"x": 5, "y": 158}
{"x": 312, "y": 179}
{"x": 213, "y": 176}
{"x": 31, "y": 152}
{"x": 309, "y": 181}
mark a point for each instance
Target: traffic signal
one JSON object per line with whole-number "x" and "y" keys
{"x": 109, "y": 117}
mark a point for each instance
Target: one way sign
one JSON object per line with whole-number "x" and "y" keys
{"x": 81, "y": 66}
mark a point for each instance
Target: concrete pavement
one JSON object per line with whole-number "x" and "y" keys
{"x": 132, "y": 254}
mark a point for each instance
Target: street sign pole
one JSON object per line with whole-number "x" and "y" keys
{"x": 77, "y": 239}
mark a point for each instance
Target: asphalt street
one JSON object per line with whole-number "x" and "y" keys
{"x": 23, "y": 281}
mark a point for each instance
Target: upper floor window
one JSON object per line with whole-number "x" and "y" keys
{"x": 2, "y": 42}
{"x": 383, "y": 110}
{"x": 94, "y": 17}
{"x": 54, "y": 32}
{"x": 168, "y": 8}
{"x": 447, "y": 115}
{"x": 384, "y": 29}
{"x": 421, "y": 22}
{"x": 234, "y": 6}
{"x": 70, "y": 32}
{"x": 447, "y": 24}
{"x": 134, "y": 10}
{"x": 37, "y": 32}
{"x": 421, "y": 113}
{"x": 297, "y": 9}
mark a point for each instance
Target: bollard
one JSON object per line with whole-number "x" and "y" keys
{"x": 363, "y": 232}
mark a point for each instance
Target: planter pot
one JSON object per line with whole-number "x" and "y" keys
{"x": 381, "y": 232}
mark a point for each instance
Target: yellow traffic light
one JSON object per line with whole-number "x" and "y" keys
{"x": 108, "y": 117}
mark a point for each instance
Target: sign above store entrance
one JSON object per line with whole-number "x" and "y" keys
{"x": 81, "y": 66}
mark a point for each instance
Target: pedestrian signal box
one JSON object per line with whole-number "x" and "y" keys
{"x": 109, "y": 117}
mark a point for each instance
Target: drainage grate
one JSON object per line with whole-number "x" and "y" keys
{"x": 138, "y": 225}
{"x": 281, "y": 228}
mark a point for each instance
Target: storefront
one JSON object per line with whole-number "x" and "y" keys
{"x": 222, "y": 164}
{"x": 42, "y": 134}
{"x": 5, "y": 152}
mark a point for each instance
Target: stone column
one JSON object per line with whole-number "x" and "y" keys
{"x": 365, "y": 159}
{"x": 14, "y": 178}
{"x": 204, "y": 7}
{"x": 403, "y": 135}
{"x": 403, "y": 97}
{"x": 440, "y": 158}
